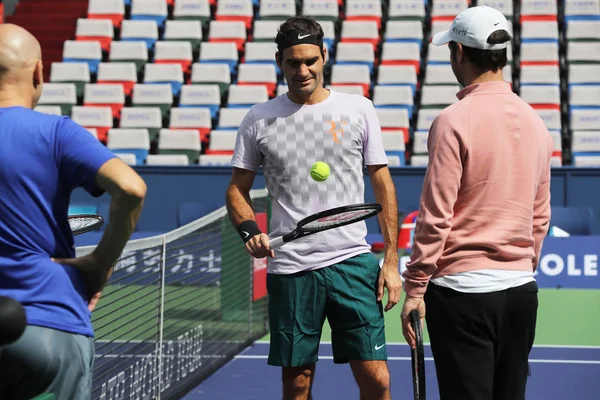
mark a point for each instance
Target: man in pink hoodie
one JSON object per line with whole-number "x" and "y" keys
{"x": 483, "y": 215}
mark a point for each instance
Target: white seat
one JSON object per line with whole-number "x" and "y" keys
{"x": 539, "y": 30}
{"x": 584, "y": 95}
{"x": 354, "y": 52}
{"x": 119, "y": 139}
{"x": 540, "y": 74}
{"x": 583, "y": 30}
{"x": 348, "y": 89}
{"x": 82, "y": 50}
{"x": 277, "y": 8}
{"x": 232, "y": 117}
{"x": 181, "y": 30}
{"x": 218, "y": 51}
{"x": 438, "y": 54}
{"x": 542, "y": 51}
{"x": 223, "y": 140}
{"x": 94, "y": 28}
{"x": 556, "y": 139}
{"x": 180, "y": 139}
{"x": 51, "y": 110}
{"x": 58, "y": 93}
{"x": 69, "y": 72}
{"x": 363, "y": 8}
{"x": 538, "y": 7}
{"x": 129, "y": 51}
{"x": 167, "y": 159}
{"x": 141, "y": 117}
{"x": 173, "y": 50}
{"x": 247, "y": 95}
{"x": 321, "y": 8}
{"x": 215, "y": 160}
{"x": 260, "y": 51}
{"x": 106, "y": 7}
{"x": 426, "y": 117}
{"x": 582, "y": 119}
{"x": 589, "y": 8}
{"x": 586, "y": 161}
{"x": 432, "y": 95}
{"x": 191, "y": 9}
{"x": 328, "y": 30}
{"x": 507, "y": 73}
{"x": 393, "y": 140}
{"x": 265, "y": 30}
{"x": 392, "y": 95}
{"x": 227, "y": 30}
{"x": 404, "y": 30}
{"x": 163, "y": 73}
{"x": 200, "y": 95}
{"x": 103, "y": 94}
{"x": 406, "y": 9}
{"x": 583, "y": 51}
{"x": 420, "y": 142}
{"x": 582, "y": 74}
{"x": 139, "y": 29}
{"x": 211, "y": 73}
{"x": 396, "y": 74}
{"x": 359, "y": 30}
{"x": 437, "y": 74}
{"x": 393, "y": 118}
{"x": 439, "y": 26}
{"x": 194, "y": 117}
{"x": 235, "y": 8}
{"x": 419, "y": 160}
{"x": 344, "y": 74}
{"x": 552, "y": 118}
{"x": 540, "y": 94}
{"x": 92, "y": 116}
{"x": 152, "y": 94}
{"x": 394, "y": 51}
{"x": 504, "y": 6}
{"x": 156, "y": 8}
{"x": 128, "y": 158}
{"x": 448, "y": 8}
{"x": 585, "y": 141}
{"x": 257, "y": 73}
{"x": 117, "y": 72}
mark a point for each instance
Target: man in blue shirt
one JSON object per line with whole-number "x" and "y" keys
{"x": 43, "y": 158}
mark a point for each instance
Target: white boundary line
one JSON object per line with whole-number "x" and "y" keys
{"x": 552, "y": 346}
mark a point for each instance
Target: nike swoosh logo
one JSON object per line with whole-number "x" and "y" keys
{"x": 496, "y": 23}
{"x": 300, "y": 37}
{"x": 379, "y": 347}
{"x": 246, "y": 234}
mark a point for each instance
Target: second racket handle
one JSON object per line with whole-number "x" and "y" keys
{"x": 276, "y": 242}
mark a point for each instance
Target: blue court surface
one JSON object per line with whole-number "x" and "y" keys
{"x": 557, "y": 372}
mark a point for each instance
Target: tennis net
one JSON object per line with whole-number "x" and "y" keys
{"x": 177, "y": 307}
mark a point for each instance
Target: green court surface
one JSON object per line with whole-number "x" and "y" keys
{"x": 565, "y": 317}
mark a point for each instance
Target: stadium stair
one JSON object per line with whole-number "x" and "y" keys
{"x": 51, "y": 23}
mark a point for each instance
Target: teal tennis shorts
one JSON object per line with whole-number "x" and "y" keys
{"x": 345, "y": 294}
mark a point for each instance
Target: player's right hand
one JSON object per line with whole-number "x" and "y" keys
{"x": 258, "y": 246}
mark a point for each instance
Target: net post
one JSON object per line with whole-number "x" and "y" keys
{"x": 161, "y": 313}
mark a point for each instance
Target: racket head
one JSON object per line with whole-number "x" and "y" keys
{"x": 82, "y": 223}
{"x": 338, "y": 216}
{"x": 418, "y": 357}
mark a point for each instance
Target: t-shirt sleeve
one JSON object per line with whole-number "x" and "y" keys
{"x": 374, "y": 152}
{"x": 79, "y": 156}
{"x": 246, "y": 154}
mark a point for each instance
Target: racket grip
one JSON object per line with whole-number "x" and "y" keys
{"x": 276, "y": 242}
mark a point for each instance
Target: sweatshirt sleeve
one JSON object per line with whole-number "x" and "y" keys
{"x": 438, "y": 196}
{"x": 541, "y": 212}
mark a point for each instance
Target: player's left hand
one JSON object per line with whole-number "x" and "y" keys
{"x": 411, "y": 303}
{"x": 389, "y": 277}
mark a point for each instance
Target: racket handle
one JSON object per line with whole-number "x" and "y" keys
{"x": 276, "y": 242}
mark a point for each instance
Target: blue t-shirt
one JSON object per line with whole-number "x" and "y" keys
{"x": 43, "y": 158}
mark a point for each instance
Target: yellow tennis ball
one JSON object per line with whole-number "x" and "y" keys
{"x": 319, "y": 171}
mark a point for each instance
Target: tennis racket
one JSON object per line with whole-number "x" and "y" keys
{"x": 328, "y": 219}
{"x": 418, "y": 357}
{"x": 82, "y": 223}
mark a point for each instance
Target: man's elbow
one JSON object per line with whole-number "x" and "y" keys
{"x": 134, "y": 191}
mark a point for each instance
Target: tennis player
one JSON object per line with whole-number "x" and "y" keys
{"x": 483, "y": 216}
{"x": 330, "y": 274}
{"x": 43, "y": 158}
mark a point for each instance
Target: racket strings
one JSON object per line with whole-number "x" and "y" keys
{"x": 343, "y": 218}
{"x": 78, "y": 223}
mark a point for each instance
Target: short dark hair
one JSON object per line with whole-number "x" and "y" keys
{"x": 487, "y": 60}
{"x": 302, "y": 24}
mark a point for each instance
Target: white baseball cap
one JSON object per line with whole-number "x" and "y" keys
{"x": 472, "y": 27}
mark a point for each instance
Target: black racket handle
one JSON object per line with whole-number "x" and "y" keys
{"x": 12, "y": 320}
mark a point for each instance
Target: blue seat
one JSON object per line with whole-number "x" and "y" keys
{"x": 93, "y": 64}
{"x": 140, "y": 154}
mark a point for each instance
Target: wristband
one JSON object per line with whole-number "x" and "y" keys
{"x": 248, "y": 229}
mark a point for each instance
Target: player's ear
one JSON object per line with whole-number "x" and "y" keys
{"x": 325, "y": 55}
{"x": 278, "y": 59}
{"x": 38, "y": 74}
{"x": 461, "y": 57}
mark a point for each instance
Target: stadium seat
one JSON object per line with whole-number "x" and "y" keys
{"x": 352, "y": 75}
{"x": 394, "y": 119}
{"x": 265, "y": 31}
{"x": 420, "y": 142}
{"x": 282, "y": 89}
{"x": 198, "y": 119}
{"x": 364, "y": 10}
{"x": 355, "y": 54}
{"x": 113, "y": 10}
{"x": 167, "y": 159}
{"x": 539, "y": 31}
{"x": 584, "y": 74}
{"x": 63, "y": 95}
{"x": 185, "y": 142}
{"x": 222, "y": 142}
{"x": 175, "y": 52}
{"x": 448, "y": 9}
{"x": 219, "y": 74}
{"x": 99, "y": 118}
{"x": 406, "y": 10}
{"x": 419, "y": 161}
{"x": 326, "y": 10}
{"x": 439, "y": 96}
{"x": 439, "y": 74}
{"x": 96, "y": 30}
{"x": 83, "y": 51}
{"x": 393, "y": 97}
{"x": 135, "y": 52}
{"x": 165, "y": 73}
{"x": 397, "y": 75}
{"x": 425, "y": 118}
{"x": 51, "y": 110}
{"x": 215, "y": 160}
{"x": 277, "y": 10}
{"x": 71, "y": 72}
{"x": 504, "y": 6}
{"x": 438, "y": 54}
{"x": 135, "y": 31}
{"x": 208, "y": 95}
{"x": 393, "y": 144}
{"x": 540, "y": 75}
{"x": 220, "y": 53}
{"x": 149, "y": 118}
{"x": 399, "y": 53}
{"x": 551, "y": 117}
{"x": 404, "y": 31}
{"x": 329, "y": 37}
{"x": 235, "y": 10}
{"x": 348, "y": 89}
{"x": 241, "y": 96}
{"x": 102, "y": 95}
{"x": 190, "y": 31}
{"x": 150, "y": 10}
{"x": 584, "y": 119}
{"x": 196, "y": 10}
{"x": 541, "y": 96}
{"x": 587, "y": 52}
{"x": 261, "y": 53}
{"x": 258, "y": 74}
{"x": 231, "y": 118}
{"x": 538, "y": 10}
{"x": 132, "y": 141}
{"x": 124, "y": 74}
{"x": 581, "y": 10}
{"x": 539, "y": 53}
{"x": 153, "y": 95}
{"x": 360, "y": 32}
{"x": 228, "y": 32}
{"x": 127, "y": 158}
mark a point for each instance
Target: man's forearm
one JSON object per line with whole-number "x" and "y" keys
{"x": 385, "y": 194}
{"x": 239, "y": 206}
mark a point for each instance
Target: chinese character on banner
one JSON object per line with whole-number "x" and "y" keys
{"x": 126, "y": 262}
{"x": 259, "y": 266}
{"x": 152, "y": 260}
{"x": 185, "y": 261}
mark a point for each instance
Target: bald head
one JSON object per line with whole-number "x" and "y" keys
{"x": 20, "y": 63}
